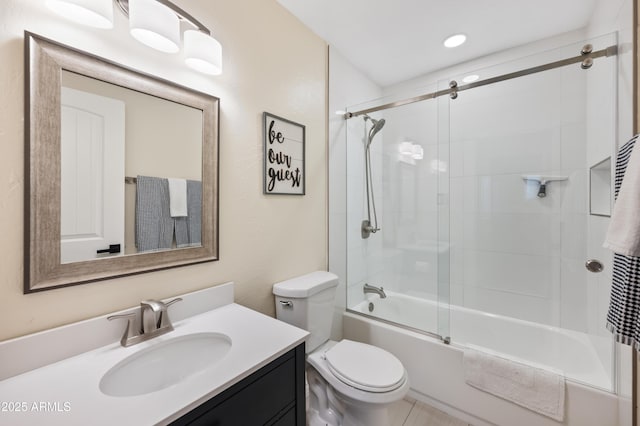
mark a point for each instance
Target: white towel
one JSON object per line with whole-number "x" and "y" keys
{"x": 178, "y": 197}
{"x": 534, "y": 388}
{"x": 623, "y": 236}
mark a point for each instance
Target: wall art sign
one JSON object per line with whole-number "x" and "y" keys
{"x": 283, "y": 156}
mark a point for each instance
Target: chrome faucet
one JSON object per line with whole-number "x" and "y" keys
{"x": 372, "y": 289}
{"x": 154, "y": 321}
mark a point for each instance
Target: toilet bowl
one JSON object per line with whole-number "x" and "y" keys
{"x": 363, "y": 379}
{"x": 350, "y": 383}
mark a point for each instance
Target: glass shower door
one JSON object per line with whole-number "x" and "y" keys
{"x": 408, "y": 256}
{"x": 521, "y": 227}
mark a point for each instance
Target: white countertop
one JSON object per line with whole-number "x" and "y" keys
{"x": 67, "y": 393}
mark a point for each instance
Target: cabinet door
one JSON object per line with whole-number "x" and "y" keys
{"x": 288, "y": 419}
{"x": 274, "y": 395}
{"x": 257, "y": 403}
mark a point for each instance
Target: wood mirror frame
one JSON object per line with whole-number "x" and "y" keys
{"x": 43, "y": 270}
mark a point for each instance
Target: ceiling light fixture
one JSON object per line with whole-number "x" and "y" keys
{"x": 155, "y": 23}
{"x": 93, "y": 13}
{"x": 455, "y": 40}
{"x": 202, "y": 52}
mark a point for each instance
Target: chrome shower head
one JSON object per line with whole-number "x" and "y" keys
{"x": 376, "y": 126}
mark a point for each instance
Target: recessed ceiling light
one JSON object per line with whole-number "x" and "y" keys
{"x": 455, "y": 40}
{"x": 470, "y": 78}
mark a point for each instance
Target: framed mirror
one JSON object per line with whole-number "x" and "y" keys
{"x": 121, "y": 170}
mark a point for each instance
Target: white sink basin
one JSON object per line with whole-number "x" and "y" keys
{"x": 165, "y": 364}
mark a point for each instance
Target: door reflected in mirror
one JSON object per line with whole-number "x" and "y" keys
{"x": 110, "y": 135}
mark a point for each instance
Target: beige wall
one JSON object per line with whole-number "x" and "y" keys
{"x": 271, "y": 63}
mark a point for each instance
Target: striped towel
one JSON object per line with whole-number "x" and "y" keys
{"x": 623, "y": 317}
{"x": 154, "y": 224}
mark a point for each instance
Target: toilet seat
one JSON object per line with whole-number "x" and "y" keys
{"x": 365, "y": 367}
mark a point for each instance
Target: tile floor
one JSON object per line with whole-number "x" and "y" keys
{"x": 410, "y": 412}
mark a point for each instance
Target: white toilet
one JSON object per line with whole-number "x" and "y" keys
{"x": 350, "y": 383}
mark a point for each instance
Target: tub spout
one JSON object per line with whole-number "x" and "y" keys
{"x": 372, "y": 289}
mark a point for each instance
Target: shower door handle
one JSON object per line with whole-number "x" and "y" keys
{"x": 594, "y": 265}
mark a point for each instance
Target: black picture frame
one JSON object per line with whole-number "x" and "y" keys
{"x": 284, "y": 156}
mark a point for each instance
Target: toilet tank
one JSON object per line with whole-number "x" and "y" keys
{"x": 307, "y": 302}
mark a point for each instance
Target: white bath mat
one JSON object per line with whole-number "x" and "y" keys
{"x": 534, "y": 388}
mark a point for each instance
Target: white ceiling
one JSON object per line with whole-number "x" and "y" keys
{"x": 394, "y": 40}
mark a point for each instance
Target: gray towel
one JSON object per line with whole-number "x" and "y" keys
{"x": 154, "y": 224}
{"x": 189, "y": 229}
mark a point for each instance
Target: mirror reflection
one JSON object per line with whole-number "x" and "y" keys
{"x": 131, "y": 177}
{"x": 120, "y": 126}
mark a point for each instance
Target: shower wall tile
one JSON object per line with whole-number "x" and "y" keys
{"x": 574, "y": 236}
{"x": 600, "y": 115}
{"x": 457, "y": 265}
{"x": 506, "y": 108}
{"x": 355, "y": 295}
{"x": 509, "y": 193}
{"x": 427, "y": 229}
{"x": 457, "y": 201}
{"x": 512, "y": 305}
{"x": 401, "y": 123}
{"x": 421, "y": 280}
{"x": 355, "y": 140}
{"x": 576, "y": 197}
{"x": 533, "y": 152}
{"x": 573, "y": 295}
{"x": 355, "y": 198}
{"x": 530, "y": 234}
{"x": 456, "y": 158}
{"x": 599, "y": 283}
{"x": 573, "y": 153}
{"x": 338, "y": 240}
{"x": 516, "y": 273}
{"x": 357, "y": 270}
{"x": 573, "y": 95}
{"x": 457, "y": 294}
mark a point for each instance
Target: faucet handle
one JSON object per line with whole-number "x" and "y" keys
{"x": 164, "y": 315}
{"x": 130, "y": 331}
{"x": 150, "y": 311}
{"x": 171, "y": 302}
{"x": 154, "y": 305}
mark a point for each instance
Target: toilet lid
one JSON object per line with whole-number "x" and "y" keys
{"x": 365, "y": 367}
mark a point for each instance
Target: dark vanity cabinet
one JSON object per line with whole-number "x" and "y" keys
{"x": 273, "y": 395}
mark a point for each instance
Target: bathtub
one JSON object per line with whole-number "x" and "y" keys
{"x": 435, "y": 368}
